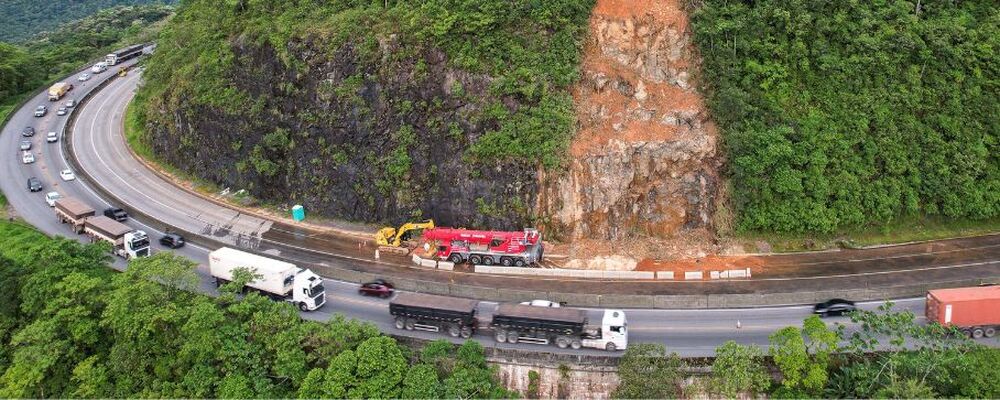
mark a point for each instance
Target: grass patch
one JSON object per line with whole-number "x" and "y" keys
{"x": 900, "y": 231}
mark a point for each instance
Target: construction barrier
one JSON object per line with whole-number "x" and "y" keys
{"x": 665, "y": 275}
{"x": 428, "y": 263}
{"x": 693, "y": 276}
{"x": 570, "y": 273}
{"x": 445, "y": 265}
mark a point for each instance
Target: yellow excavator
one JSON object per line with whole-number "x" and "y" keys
{"x": 393, "y": 237}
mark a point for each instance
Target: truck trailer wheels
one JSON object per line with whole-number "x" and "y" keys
{"x": 977, "y": 333}
{"x": 575, "y": 344}
{"x": 454, "y": 330}
{"x": 500, "y": 336}
{"x": 455, "y": 258}
{"x": 466, "y": 332}
{"x": 400, "y": 323}
{"x": 562, "y": 342}
{"x": 990, "y": 331}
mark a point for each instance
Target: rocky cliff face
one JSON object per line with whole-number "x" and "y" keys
{"x": 644, "y": 161}
{"x": 360, "y": 140}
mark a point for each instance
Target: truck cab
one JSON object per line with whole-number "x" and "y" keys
{"x": 308, "y": 290}
{"x": 136, "y": 244}
{"x": 612, "y": 335}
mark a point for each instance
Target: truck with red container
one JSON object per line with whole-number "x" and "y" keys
{"x": 486, "y": 247}
{"x": 973, "y": 310}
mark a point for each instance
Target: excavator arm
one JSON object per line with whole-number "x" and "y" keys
{"x": 390, "y": 236}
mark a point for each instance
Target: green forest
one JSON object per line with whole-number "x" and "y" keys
{"x": 20, "y": 20}
{"x": 70, "y": 326}
{"x": 28, "y": 66}
{"x": 816, "y": 361}
{"x": 854, "y": 113}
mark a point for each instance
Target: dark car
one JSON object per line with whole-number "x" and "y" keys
{"x": 116, "y": 214}
{"x": 834, "y": 307}
{"x": 172, "y": 240}
{"x": 34, "y": 185}
{"x": 28, "y": 132}
{"x": 378, "y": 287}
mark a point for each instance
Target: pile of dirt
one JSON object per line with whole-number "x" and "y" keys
{"x": 644, "y": 172}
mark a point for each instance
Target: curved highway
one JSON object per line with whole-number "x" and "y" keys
{"x": 101, "y": 151}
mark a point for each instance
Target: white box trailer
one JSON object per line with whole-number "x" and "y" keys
{"x": 278, "y": 280}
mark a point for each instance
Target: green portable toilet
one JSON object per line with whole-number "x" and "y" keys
{"x": 298, "y": 213}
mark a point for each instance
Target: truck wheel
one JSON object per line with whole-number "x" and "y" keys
{"x": 990, "y": 331}
{"x": 967, "y": 332}
{"x": 455, "y": 258}
{"x": 409, "y": 324}
{"x": 475, "y": 259}
{"x": 466, "y": 332}
{"x": 505, "y": 261}
{"x": 519, "y": 262}
{"x": 576, "y": 345}
{"x": 977, "y": 333}
{"x": 512, "y": 337}
{"x": 218, "y": 283}
{"x": 500, "y": 336}
{"x": 562, "y": 343}
{"x": 487, "y": 260}
{"x": 303, "y": 307}
{"x": 454, "y": 331}
{"x": 610, "y": 347}
{"x": 400, "y": 323}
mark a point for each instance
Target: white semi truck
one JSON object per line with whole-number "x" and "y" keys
{"x": 278, "y": 280}
{"x": 125, "y": 242}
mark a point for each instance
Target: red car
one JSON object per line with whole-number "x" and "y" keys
{"x": 378, "y": 287}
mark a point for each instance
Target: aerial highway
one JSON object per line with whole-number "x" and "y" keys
{"x": 118, "y": 179}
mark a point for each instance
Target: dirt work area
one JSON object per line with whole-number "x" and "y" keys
{"x": 644, "y": 169}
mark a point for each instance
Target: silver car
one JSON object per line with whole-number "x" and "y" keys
{"x": 25, "y": 145}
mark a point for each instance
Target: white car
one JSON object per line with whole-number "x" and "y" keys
{"x": 83, "y": 77}
{"x": 52, "y": 137}
{"x": 67, "y": 175}
{"x": 27, "y": 157}
{"x": 51, "y": 198}
{"x": 70, "y": 103}
{"x": 541, "y": 303}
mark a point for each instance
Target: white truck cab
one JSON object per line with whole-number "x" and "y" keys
{"x": 307, "y": 288}
{"x": 99, "y": 67}
{"x": 135, "y": 245}
{"x": 612, "y": 334}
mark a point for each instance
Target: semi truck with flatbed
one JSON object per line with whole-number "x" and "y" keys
{"x": 279, "y": 280}
{"x": 70, "y": 210}
{"x": 511, "y": 322}
{"x": 125, "y": 242}
{"x": 975, "y": 311}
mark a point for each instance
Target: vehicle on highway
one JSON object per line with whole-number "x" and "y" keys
{"x": 67, "y": 175}
{"x": 834, "y": 307}
{"x": 125, "y": 242}
{"x": 378, "y": 288}
{"x": 276, "y": 279}
{"x": 99, "y": 67}
{"x": 172, "y": 240}
{"x": 40, "y": 111}
{"x": 124, "y": 54}
{"x": 51, "y": 198}
{"x": 115, "y": 213}
{"x": 486, "y": 247}
{"x": 74, "y": 212}
{"x": 58, "y": 90}
{"x": 34, "y": 185}
{"x": 52, "y": 137}
{"x": 70, "y": 103}
{"x": 25, "y": 145}
{"x": 62, "y": 111}
{"x": 27, "y": 157}
{"x": 28, "y": 132}
{"x": 84, "y": 77}
{"x": 511, "y": 322}
{"x": 975, "y": 311}
{"x": 541, "y": 303}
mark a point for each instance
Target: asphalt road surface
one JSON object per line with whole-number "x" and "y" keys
{"x": 98, "y": 144}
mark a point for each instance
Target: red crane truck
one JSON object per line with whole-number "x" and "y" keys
{"x": 487, "y": 247}
{"x": 973, "y": 310}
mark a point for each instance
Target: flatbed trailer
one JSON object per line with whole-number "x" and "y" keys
{"x": 70, "y": 210}
{"x": 566, "y": 327}
{"x": 426, "y": 312}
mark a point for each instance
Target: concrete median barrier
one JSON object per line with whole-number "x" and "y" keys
{"x": 693, "y": 275}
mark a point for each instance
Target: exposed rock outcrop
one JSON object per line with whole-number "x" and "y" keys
{"x": 644, "y": 161}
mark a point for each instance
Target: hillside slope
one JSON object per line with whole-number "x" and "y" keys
{"x": 22, "y": 19}
{"x": 441, "y": 108}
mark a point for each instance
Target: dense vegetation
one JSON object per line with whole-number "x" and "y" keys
{"x": 398, "y": 107}
{"x": 28, "y": 66}
{"x": 854, "y": 113}
{"x": 22, "y": 19}
{"x": 72, "y": 327}
{"x": 914, "y": 362}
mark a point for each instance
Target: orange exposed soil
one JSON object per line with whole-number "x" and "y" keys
{"x": 643, "y": 177}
